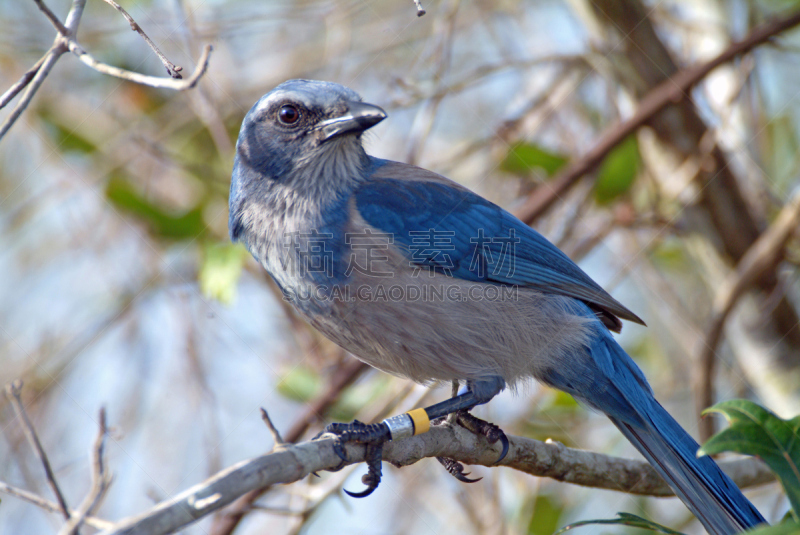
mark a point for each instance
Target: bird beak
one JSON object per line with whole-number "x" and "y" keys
{"x": 358, "y": 117}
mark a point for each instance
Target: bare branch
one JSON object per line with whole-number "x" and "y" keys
{"x": 47, "y": 63}
{"x": 152, "y": 81}
{"x": 47, "y": 505}
{"x": 36, "y": 82}
{"x": 420, "y": 10}
{"x": 50, "y": 15}
{"x": 762, "y": 257}
{"x": 276, "y": 435}
{"x": 672, "y": 90}
{"x": 172, "y": 69}
{"x": 13, "y": 394}
{"x": 101, "y": 479}
{"x": 26, "y": 78}
{"x": 350, "y": 370}
{"x": 65, "y": 41}
{"x": 290, "y": 463}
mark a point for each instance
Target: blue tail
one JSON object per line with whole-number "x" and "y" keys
{"x": 698, "y": 482}
{"x": 607, "y": 379}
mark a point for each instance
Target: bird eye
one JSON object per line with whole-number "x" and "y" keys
{"x": 288, "y": 114}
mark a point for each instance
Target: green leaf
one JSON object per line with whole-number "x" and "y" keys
{"x": 618, "y": 171}
{"x": 546, "y": 514}
{"x": 523, "y": 158}
{"x": 67, "y": 139}
{"x": 756, "y": 431}
{"x": 624, "y": 519}
{"x": 220, "y": 270}
{"x": 786, "y": 528}
{"x": 161, "y": 221}
{"x": 300, "y": 384}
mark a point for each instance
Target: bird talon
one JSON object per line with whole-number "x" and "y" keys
{"x": 456, "y": 469}
{"x": 504, "y": 441}
{"x": 373, "y": 476}
{"x": 481, "y": 427}
{"x": 373, "y": 436}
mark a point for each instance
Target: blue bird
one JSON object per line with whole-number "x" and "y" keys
{"x": 422, "y": 278}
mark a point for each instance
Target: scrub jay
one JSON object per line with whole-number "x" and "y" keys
{"x": 422, "y": 278}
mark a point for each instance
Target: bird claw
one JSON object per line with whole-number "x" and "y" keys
{"x": 481, "y": 427}
{"x": 373, "y": 436}
{"x": 373, "y": 476}
{"x": 456, "y": 469}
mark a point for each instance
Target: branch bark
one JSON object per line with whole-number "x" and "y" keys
{"x": 289, "y": 463}
{"x": 762, "y": 257}
{"x": 670, "y": 91}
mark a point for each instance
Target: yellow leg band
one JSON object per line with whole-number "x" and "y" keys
{"x": 421, "y": 421}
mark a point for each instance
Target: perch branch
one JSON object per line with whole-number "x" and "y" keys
{"x": 289, "y": 463}
{"x": 350, "y": 370}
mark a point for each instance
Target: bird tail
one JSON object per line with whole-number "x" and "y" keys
{"x": 699, "y": 482}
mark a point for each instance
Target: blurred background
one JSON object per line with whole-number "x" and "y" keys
{"x": 119, "y": 288}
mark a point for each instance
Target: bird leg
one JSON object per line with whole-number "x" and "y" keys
{"x": 416, "y": 422}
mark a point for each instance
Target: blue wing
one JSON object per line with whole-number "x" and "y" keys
{"x": 445, "y": 227}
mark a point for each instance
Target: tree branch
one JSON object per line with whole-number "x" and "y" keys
{"x": 66, "y": 41}
{"x": 348, "y": 372}
{"x": 172, "y": 69}
{"x": 101, "y": 479}
{"x": 668, "y": 92}
{"x": 289, "y": 463}
{"x": 762, "y": 257}
{"x": 13, "y": 395}
{"x": 152, "y": 81}
{"x": 47, "y": 505}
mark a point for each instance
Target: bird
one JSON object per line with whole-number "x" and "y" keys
{"x": 418, "y": 276}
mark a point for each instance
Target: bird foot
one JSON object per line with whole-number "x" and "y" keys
{"x": 456, "y": 469}
{"x": 480, "y": 427}
{"x": 373, "y": 436}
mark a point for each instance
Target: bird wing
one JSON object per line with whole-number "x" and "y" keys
{"x": 443, "y": 226}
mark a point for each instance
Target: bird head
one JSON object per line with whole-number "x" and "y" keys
{"x": 302, "y": 138}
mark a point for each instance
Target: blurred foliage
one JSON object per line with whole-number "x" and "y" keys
{"x": 301, "y": 384}
{"x": 784, "y": 528}
{"x": 547, "y": 512}
{"x": 758, "y": 432}
{"x": 66, "y": 138}
{"x": 556, "y": 415}
{"x": 161, "y": 221}
{"x": 623, "y": 519}
{"x": 522, "y": 158}
{"x": 617, "y": 171}
{"x": 220, "y": 270}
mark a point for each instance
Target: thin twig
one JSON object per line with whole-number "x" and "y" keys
{"x": 172, "y": 69}
{"x": 101, "y": 480}
{"x": 50, "y": 15}
{"x": 294, "y": 462}
{"x": 47, "y": 505}
{"x": 34, "y": 85}
{"x": 276, "y": 435}
{"x": 26, "y": 78}
{"x": 152, "y": 81}
{"x": 673, "y": 90}
{"x": 420, "y": 10}
{"x": 13, "y": 394}
{"x": 351, "y": 369}
{"x": 762, "y": 257}
{"x": 65, "y": 41}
